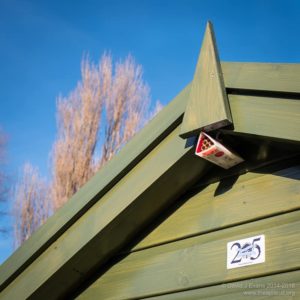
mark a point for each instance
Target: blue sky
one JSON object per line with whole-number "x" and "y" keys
{"x": 42, "y": 43}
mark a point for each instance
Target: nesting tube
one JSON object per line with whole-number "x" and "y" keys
{"x": 206, "y": 144}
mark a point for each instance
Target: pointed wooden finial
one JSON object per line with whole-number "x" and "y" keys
{"x": 208, "y": 107}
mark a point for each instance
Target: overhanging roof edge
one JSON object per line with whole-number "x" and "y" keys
{"x": 131, "y": 154}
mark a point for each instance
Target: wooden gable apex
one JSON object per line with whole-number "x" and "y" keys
{"x": 208, "y": 107}
{"x": 122, "y": 198}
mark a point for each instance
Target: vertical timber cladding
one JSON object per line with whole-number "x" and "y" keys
{"x": 188, "y": 250}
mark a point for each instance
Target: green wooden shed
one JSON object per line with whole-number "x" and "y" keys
{"x": 159, "y": 222}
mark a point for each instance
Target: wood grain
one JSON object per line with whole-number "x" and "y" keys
{"x": 280, "y": 286}
{"x": 271, "y": 117}
{"x": 207, "y": 210}
{"x": 266, "y": 77}
{"x": 122, "y": 212}
{"x": 199, "y": 261}
{"x": 207, "y": 106}
{"x": 104, "y": 180}
{"x": 255, "y": 76}
{"x": 278, "y": 77}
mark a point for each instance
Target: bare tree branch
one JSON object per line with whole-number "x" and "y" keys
{"x": 32, "y": 206}
{"x": 79, "y": 116}
{"x": 126, "y": 105}
{"x": 108, "y": 106}
{"x": 114, "y": 100}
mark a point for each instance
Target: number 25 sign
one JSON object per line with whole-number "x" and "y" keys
{"x": 249, "y": 251}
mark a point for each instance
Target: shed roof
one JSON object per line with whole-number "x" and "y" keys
{"x": 151, "y": 172}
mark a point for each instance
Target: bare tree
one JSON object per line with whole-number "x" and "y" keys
{"x": 94, "y": 121}
{"x": 78, "y": 118}
{"x": 126, "y": 105}
{"x": 109, "y": 105}
{"x": 32, "y": 206}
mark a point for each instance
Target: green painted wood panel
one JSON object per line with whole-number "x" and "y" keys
{"x": 280, "y": 286}
{"x": 178, "y": 168}
{"x": 272, "y": 117}
{"x": 278, "y": 77}
{"x": 252, "y": 196}
{"x": 105, "y": 179}
{"x": 207, "y": 106}
{"x": 144, "y": 142}
{"x": 170, "y": 169}
{"x": 284, "y": 77}
{"x": 199, "y": 261}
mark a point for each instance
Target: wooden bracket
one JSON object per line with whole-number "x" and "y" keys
{"x": 208, "y": 106}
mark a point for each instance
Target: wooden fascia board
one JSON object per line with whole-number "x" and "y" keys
{"x": 92, "y": 191}
{"x": 271, "y": 77}
{"x": 277, "y": 118}
{"x": 207, "y": 107}
{"x": 138, "y": 148}
{"x": 162, "y": 176}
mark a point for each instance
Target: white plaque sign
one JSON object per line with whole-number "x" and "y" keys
{"x": 249, "y": 251}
